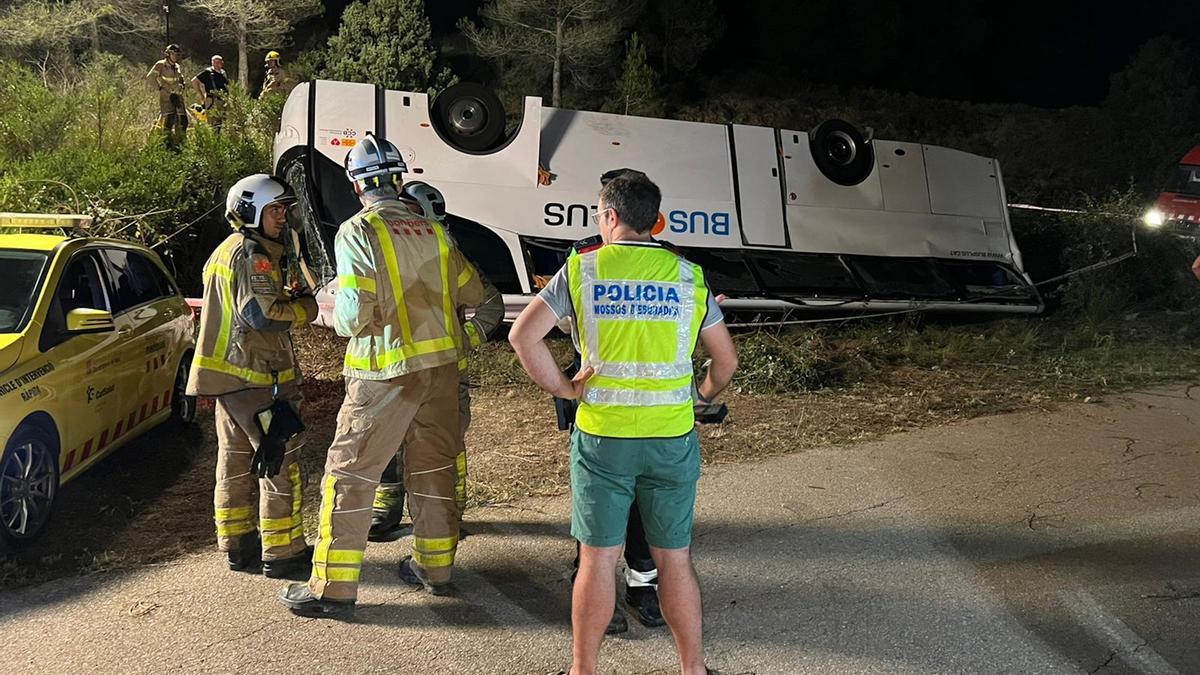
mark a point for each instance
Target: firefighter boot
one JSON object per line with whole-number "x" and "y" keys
{"x": 247, "y": 557}
{"x": 298, "y": 598}
{"x": 410, "y": 576}
{"x": 618, "y": 623}
{"x": 386, "y": 525}
{"x": 296, "y": 568}
{"x": 387, "y": 510}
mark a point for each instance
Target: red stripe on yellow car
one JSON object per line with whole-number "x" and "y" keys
{"x": 124, "y": 426}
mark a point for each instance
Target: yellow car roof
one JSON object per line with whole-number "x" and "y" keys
{"x": 35, "y": 242}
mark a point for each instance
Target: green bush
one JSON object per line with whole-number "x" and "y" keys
{"x": 89, "y": 147}
{"x": 770, "y": 363}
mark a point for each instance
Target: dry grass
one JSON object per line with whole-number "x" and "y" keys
{"x": 796, "y": 390}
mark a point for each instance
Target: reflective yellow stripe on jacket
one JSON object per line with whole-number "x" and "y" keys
{"x": 415, "y": 332}
{"x": 218, "y": 277}
{"x": 638, "y": 310}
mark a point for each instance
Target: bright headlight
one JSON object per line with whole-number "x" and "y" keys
{"x": 1154, "y": 218}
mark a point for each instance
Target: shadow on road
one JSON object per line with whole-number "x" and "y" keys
{"x": 138, "y": 505}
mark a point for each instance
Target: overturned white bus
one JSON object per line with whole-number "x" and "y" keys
{"x": 779, "y": 219}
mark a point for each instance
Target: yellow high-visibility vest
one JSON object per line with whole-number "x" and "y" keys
{"x": 638, "y": 311}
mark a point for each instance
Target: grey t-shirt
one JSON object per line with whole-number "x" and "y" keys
{"x": 557, "y": 296}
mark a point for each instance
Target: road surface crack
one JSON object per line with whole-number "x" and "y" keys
{"x": 243, "y": 636}
{"x": 1104, "y": 665}
{"x": 1137, "y": 490}
{"x": 858, "y": 510}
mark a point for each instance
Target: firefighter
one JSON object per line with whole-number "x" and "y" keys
{"x": 245, "y": 359}
{"x": 165, "y": 78}
{"x": 402, "y": 283}
{"x": 388, "y": 507}
{"x": 638, "y": 310}
{"x": 211, "y": 85}
{"x": 275, "y": 80}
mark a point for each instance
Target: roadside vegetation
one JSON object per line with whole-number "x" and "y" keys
{"x": 78, "y": 137}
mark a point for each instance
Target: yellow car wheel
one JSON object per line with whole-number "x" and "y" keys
{"x": 28, "y": 485}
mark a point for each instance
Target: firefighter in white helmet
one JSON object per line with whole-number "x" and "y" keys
{"x": 244, "y": 358}
{"x": 402, "y": 283}
{"x": 388, "y": 507}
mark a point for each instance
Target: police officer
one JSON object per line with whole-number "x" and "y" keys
{"x": 402, "y": 283}
{"x": 388, "y": 507}
{"x": 211, "y": 84}
{"x": 244, "y": 358}
{"x": 165, "y": 78}
{"x": 641, "y": 576}
{"x": 638, "y": 309}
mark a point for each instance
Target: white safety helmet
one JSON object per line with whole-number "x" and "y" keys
{"x": 372, "y": 160}
{"x": 429, "y": 198}
{"x": 250, "y": 195}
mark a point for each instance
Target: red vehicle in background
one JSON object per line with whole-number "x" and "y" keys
{"x": 1178, "y": 206}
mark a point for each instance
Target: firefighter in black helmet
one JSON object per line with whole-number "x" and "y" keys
{"x": 166, "y": 78}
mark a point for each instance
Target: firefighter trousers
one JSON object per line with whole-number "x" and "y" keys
{"x": 279, "y": 517}
{"x": 174, "y": 114}
{"x": 389, "y": 496}
{"x": 421, "y": 408}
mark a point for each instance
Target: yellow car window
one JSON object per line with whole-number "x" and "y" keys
{"x": 22, "y": 269}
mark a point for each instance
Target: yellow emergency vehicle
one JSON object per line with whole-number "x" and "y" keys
{"x": 95, "y": 345}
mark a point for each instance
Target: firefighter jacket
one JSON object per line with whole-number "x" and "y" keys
{"x": 245, "y": 324}
{"x": 638, "y": 312}
{"x": 275, "y": 80}
{"x": 402, "y": 285}
{"x": 165, "y": 77}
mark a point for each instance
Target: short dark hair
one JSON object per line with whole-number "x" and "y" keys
{"x": 635, "y": 198}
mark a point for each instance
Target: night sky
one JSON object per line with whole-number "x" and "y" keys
{"x": 1043, "y": 53}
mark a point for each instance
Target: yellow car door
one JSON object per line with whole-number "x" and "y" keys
{"x": 87, "y": 384}
{"x": 141, "y": 306}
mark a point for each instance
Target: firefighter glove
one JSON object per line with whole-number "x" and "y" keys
{"x": 277, "y": 425}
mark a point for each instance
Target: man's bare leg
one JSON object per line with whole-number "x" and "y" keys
{"x": 592, "y": 605}
{"x": 679, "y": 596}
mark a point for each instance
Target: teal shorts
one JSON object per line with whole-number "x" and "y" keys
{"x": 606, "y": 475}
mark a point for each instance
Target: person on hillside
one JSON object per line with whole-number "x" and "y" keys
{"x": 211, "y": 85}
{"x": 276, "y": 79}
{"x": 638, "y": 309}
{"x": 165, "y": 78}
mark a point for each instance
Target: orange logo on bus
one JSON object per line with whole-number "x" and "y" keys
{"x": 659, "y": 225}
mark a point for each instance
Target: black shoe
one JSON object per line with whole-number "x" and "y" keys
{"x": 296, "y": 567}
{"x": 643, "y": 600}
{"x": 618, "y": 623}
{"x": 299, "y": 599}
{"x": 386, "y": 525}
{"x": 248, "y": 556}
{"x": 409, "y": 575}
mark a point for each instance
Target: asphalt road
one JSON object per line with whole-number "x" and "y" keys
{"x": 1038, "y": 542}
